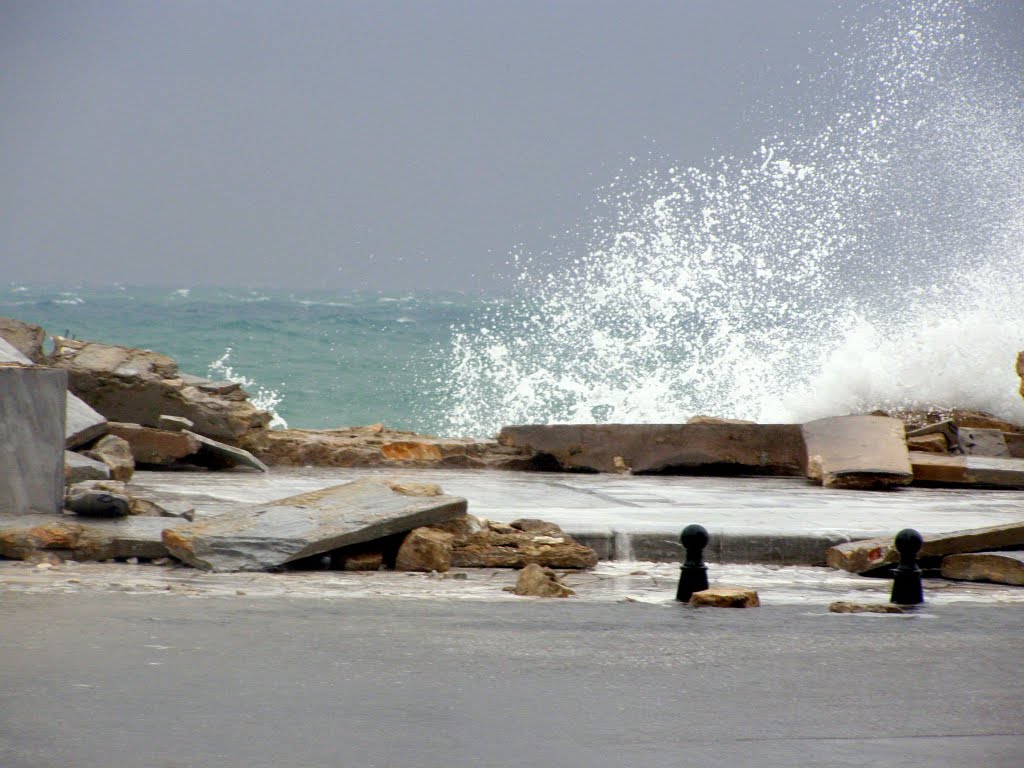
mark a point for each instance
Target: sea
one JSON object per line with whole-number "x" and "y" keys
{"x": 867, "y": 252}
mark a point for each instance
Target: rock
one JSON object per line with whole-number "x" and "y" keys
{"x": 842, "y": 606}
{"x": 716, "y": 420}
{"x": 138, "y": 386}
{"x": 375, "y": 446}
{"x": 930, "y": 469}
{"x": 32, "y": 410}
{"x": 935, "y": 443}
{"x": 945, "y": 429}
{"x": 463, "y": 525}
{"x": 259, "y": 537}
{"x": 975, "y": 441}
{"x": 537, "y": 527}
{"x": 726, "y": 597}
{"x": 998, "y": 567}
{"x": 718, "y": 448}
{"x": 1020, "y": 371}
{"x": 502, "y": 546}
{"x": 69, "y": 538}
{"x": 857, "y": 452}
{"x": 116, "y": 454}
{"x": 416, "y": 489}
{"x": 217, "y": 455}
{"x": 98, "y": 499}
{"x": 78, "y": 468}
{"x": 174, "y": 423}
{"x": 425, "y": 549}
{"x": 871, "y": 554}
{"x": 81, "y": 423}
{"x": 176, "y": 509}
{"x": 357, "y": 559}
{"x": 1014, "y": 444}
{"x": 536, "y": 581}
{"x": 155, "y": 446}
{"x": 26, "y": 338}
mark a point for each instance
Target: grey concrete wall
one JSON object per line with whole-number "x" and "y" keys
{"x": 32, "y": 412}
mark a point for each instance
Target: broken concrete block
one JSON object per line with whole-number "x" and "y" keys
{"x": 116, "y": 454}
{"x": 270, "y": 535}
{"x": 934, "y": 443}
{"x": 726, "y": 597}
{"x": 32, "y": 536}
{"x": 870, "y": 554}
{"x": 537, "y": 581}
{"x": 946, "y": 428}
{"x": 78, "y": 468}
{"x": 997, "y": 567}
{"x": 217, "y": 455}
{"x": 712, "y": 448}
{"x": 32, "y": 409}
{"x": 932, "y": 469}
{"x": 425, "y": 549}
{"x": 81, "y": 423}
{"x": 857, "y": 452}
{"x": 983, "y": 442}
{"x": 155, "y": 446}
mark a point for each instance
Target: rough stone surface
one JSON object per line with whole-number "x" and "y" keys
{"x": 32, "y": 409}
{"x": 1014, "y": 444}
{"x": 25, "y": 337}
{"x": 138, "y": 386}
{"x": 98, "y": 498}
{"x": 31, "y": 537}
{"x": 858, "y": 452}
{"x": 842, "y": 606}
{"x": 78, "y": 468}
{"x": 425, "y": 549}
{"x": 537, "y": 581}
{"x": 116, "y": 454}
{"x": 935, "y": 443}
{"x": 983, "y": 442}
{"x": 174, "y": 423}
{"x": 726, "y": 597}
{"x": 217, "y": 455}
{"x": 1020, "y": 371}
{"x": 375, "y": 445}
{"x": 501, "y": 546}
{"x": 270, "y": 535}
{"x": 998, "y": 567}
{"x": 870, "y": 554}
{"x": 770, "y": 449}
{"x": 155, "y": 446}
{"x": 931, "y": 469}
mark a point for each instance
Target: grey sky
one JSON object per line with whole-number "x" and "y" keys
{"x": 355, "y": 145}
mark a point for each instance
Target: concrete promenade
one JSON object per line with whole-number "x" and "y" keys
{"x": 751, "y": 520}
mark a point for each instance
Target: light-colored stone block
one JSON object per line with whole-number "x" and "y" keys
{"x": 32, "y": 403}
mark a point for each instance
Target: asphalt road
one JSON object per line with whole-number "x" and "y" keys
{"x": 117, "y": 680}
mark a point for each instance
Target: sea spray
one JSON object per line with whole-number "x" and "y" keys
{"x": 868, "y": 254}
{"x": 262, "y": 398}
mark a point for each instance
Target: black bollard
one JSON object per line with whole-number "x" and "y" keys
{"x": 907, "y": 588}
{"x": 693, "y": 575}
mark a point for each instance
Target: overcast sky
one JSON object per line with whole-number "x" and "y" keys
{"x": 381, "y": 145}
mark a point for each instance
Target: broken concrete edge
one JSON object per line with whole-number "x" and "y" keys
{"x": 228, "y": 455}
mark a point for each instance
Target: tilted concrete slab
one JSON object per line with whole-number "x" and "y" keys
{"x": 31, "y": 439}
{"x": 217, "y": 455}
{"x": 871, "y": 554}
{"x": 269, "y": 535}
{"x": 858, "y": 452}
{"x": 719, "y": 448}
{"x": 952, "y": 470}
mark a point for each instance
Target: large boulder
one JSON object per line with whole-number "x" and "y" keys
{"x": 25, "y": 337}
{"x": 155, "y": 446}
{"x": 116, "y": 454}
{"x": 711, "y": 448}
{"x": 497, "y": 545}
{"x": 138, "y": 386}
{"x": 537, "y": 581}
{"x": 425, "y": 549}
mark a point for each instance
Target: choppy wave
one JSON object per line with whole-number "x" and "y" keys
{"x": 868, "y": 255}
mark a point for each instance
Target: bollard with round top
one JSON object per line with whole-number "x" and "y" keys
{"x": 693, "y": 576}
{"x": 907, "y": 588}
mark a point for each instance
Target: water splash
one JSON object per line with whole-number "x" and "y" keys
{"x": 869, "y": 254}
{"x": 262, "y": 399}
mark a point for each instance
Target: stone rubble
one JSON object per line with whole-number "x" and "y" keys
{"x": 536, "y": 581}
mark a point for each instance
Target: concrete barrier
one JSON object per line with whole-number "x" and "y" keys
{"x": 32, "y": 412}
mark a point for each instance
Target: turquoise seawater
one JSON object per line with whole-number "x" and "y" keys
{"x": 332, "y": 359}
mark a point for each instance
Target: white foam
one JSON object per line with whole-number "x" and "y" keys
{"x": 262, "y": 398}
